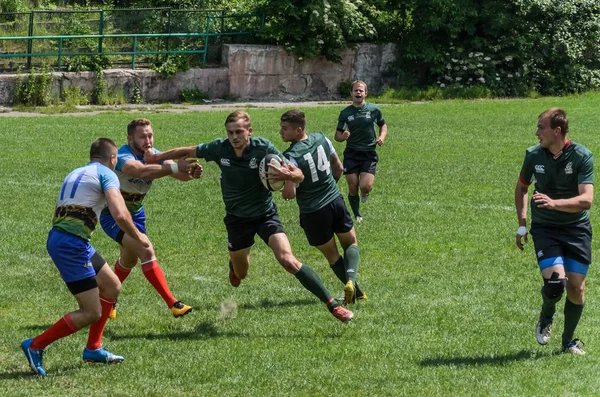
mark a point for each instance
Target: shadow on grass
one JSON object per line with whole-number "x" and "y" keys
{"x": 492, "y": 359}
{"x": 28, "y": 375}
{"x": 37, "y": 327}
{"x": 204, "y": 330}
{"x": 267, "y": 304}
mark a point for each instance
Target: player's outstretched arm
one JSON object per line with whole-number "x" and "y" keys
{"x": 173, "y": 154}
{"x": 579, "y": 203}
{"x": 287, "y": 172}
{"x": 194, "y": 170}
{"x": 121, "y": 215}
{"x": 154, "y": 171}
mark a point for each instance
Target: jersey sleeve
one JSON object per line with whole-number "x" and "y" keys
{"x": 209, "y": 151}
{"x": 526, "y": 174}
{"x": 341, "y": 125}
{"x": 108, "y": 179}
{"x": 586, "y": 171}
{"x": 123, "y": 158}
{"x": 331, "y": 148}
{"x": 380, "y": 121}
{"x": 273, "y": 150}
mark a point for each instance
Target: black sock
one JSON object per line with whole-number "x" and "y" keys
{"x": 572, "y": 315}
{"x": 355, "y": 205}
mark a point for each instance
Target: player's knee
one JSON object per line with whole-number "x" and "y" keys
{"x": 91, "y": 315}
{"x": 554, "y": 287}
{"x": 576, "y": 289}
{"x": 289, "y": 263}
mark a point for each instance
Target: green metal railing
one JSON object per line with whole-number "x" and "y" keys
{"x": 57, "y": 42}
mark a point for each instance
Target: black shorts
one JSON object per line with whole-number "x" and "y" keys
{"x": 572, "y": 241}
{"x": 241, "y": 231}
{"x": 356, "y": 162}
{"x": 319, "y": 226}
{"x": 79, "y": 286}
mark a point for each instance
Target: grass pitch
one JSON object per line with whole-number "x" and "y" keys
{"x": 452, "y": 302}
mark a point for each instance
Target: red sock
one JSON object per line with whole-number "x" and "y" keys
{"x": 120, "y": 271}
{"x": 95, "y": 336}
{"x": 156, "y": 277}
{"x": 63, "y": 327}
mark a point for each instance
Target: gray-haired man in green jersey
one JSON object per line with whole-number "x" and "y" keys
{"x": 356, "y": 126}
{"x": 323, "y": 213}
{"x": 563, "y": 172}
{"x": 249, "y": 207}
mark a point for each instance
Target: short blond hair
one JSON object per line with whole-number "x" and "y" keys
{"x": 239, "y": 115}
{"x": 358, "y": 82}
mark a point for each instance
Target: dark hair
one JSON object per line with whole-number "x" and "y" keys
{"x": 558, "y": 118}
{"x": 355, "y": 82}
{"x": 102, "y": 149}
{"x": 295, "y": 117}
{"x": 134, "y": 123}
{"x": 238, "y": 115}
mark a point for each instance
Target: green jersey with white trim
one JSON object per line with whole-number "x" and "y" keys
{"x": 312, "y": 156}
{"x": 243, "y": 193}
{"x": 557, "y": 176}
{"x": 361, "y": 124}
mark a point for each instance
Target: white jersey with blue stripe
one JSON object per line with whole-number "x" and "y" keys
{"x": 131, "y": 184}
{"x": 81, "y": 198}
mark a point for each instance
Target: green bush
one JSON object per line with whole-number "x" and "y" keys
{"x": 310, "y": 28}
{"x": 100, "y": 90}
{"x": 193, "y": 95}
{"x": 74, "y": 96}
{"x": 34, "y": 89}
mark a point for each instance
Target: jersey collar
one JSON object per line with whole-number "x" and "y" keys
{"x": 560, "y": 153}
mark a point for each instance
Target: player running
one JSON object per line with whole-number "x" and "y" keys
{"x": 356, "y": 126}
{"x": 249, "y": 207}
{"x": 563, "y": 172}
{"x": 84, "y": 192}
{"x": 323, "y": 213}
{"x": 136, "y": 179}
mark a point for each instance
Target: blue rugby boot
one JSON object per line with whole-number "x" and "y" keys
{"x": 100, "y": 356}
{"x": 34, "y": 357}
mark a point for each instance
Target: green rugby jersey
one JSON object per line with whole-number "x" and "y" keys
{"x": 243, "y": 193}
{"x": 361, "y": 124}
{"x": 312, "y": 156}
{"x": 558, "y": 176}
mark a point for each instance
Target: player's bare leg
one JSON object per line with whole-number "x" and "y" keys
{"x": 282, "y": 250}
{"x": 366, "y": 181}
{"x": 239, "y": 263}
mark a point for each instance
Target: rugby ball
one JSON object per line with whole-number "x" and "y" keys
{"x": 263, "y": 168}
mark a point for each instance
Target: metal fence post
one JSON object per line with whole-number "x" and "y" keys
{"x": 100, "y": 30}
{"x": 30, "y": 42}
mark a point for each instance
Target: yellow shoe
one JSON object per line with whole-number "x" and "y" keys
{"x": 349, "y": 292}
{"x": 363, "y": 297}
{"x": 180, "y": 309}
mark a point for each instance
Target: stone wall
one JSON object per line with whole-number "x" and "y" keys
{"x": 250, "y": 72}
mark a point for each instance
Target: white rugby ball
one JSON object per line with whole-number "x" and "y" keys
{"x": 274, "y": 160}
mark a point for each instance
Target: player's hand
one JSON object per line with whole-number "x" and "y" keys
{"x": 520, "y": 237}
{"x": 150, "y": 157}
{"x": 283, "y": 173}
{"x": 195, "y": 170}
{"x": 142, "y": 238}
{"x": 183, "y": 165}
{"x": 542, "y": 201}
{"x": 345, "y": 135}
{"x": 380, "y": 141}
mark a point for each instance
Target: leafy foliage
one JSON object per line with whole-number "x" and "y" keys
{"x": 316, "y": 27}
{"x": 34, "y": 89}
{"x": 193, "y": 95}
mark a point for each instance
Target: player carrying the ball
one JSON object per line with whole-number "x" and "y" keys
{"x": 323, "y": 213}
{"x": 563, "y": 172}
{"x": 356, "y": 126}
{"x": 249, "y": 207}
{"x": 136, "y": 179}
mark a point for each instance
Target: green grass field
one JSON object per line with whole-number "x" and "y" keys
{"x": 452, "y": 302}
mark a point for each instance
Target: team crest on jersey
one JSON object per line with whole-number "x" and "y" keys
{"x": 225, "y": 162}
{"x": 569, "y": 168}
{"x": 350, "y": 118}
{"x": 368, "y": 115}
{"x": 252, "y": 163}
{"x": 540, "y": 253}
{"x": 540, "y": 169}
